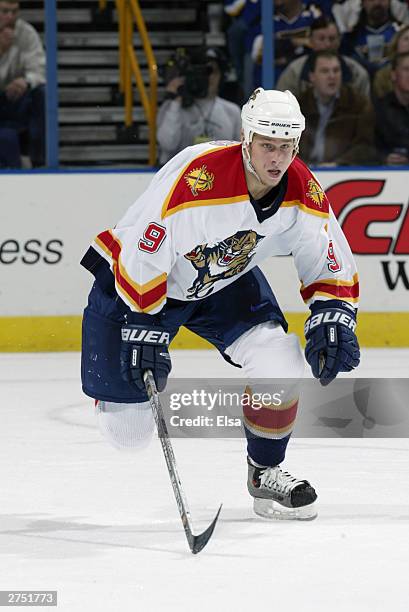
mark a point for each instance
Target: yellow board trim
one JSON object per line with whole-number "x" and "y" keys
{"x": 63, "y": 333}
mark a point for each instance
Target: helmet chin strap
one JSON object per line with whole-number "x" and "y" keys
{"x": 247, "y": 160}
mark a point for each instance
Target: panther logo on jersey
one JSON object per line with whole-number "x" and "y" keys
{"x": 315, "y": 193}
{"x": 221, "y": 261}
{"x": 199, "y": 179}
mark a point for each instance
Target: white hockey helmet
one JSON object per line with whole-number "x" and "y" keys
{"x": 272, "y": 113}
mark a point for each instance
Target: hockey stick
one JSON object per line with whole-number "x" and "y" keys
{"x": 196, "y": 542}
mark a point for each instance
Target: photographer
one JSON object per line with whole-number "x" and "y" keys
{"x": 192, "y": 111}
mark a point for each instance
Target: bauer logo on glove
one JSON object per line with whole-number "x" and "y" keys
{"x": 332, "y": 346}
{"x": 150, "y": 336}
{"x": 144, "y": 348}
{"x": 327, "y": 317}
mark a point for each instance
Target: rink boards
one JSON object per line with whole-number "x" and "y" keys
{"x": 48, "y": 220}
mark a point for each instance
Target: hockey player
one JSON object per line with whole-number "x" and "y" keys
{"x": 186, "y": 253}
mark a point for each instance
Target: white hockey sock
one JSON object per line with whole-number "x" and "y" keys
{"x": 126, "y": 426}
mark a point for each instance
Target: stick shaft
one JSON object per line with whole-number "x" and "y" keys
{"x": 168, "y": 454}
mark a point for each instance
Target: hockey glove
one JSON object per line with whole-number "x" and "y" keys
{"x": 145, "y": 347}
{"x": 332, "y": 346}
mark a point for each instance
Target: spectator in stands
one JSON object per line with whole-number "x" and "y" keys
{"x": 324, "y": 37}
{"x": 392, "y": 115}
{"x": 369, "y": 40}
{"x": 9, "y": 142}
{"x": 339, "y": 121}
{"x": 251, "y": 18}
{"x": 382, "y": 83}
{"x": 236, "y": 35}
{"x": 192, "y": 111}
{"x": 9, "y": 148}
{"x": 347, "y": 13}
{"x": 325, "y": 6}
{"x": 292, "y": 22}
{"x": 22, "y": 78}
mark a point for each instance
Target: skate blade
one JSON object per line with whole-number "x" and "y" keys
{"x": 267, "y": 508}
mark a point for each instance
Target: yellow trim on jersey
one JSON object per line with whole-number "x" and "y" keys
{"x": 333, "y": 297}
{"x": 129, "y": 298}
{"x": 146, "y": 286}
{"x": 103, "y": 247}
{"x": 339, "y": 282}
{"x": 211, "y": 202}
{"x": 165, "y": 212}
{"x": 304, "y": 208}
{"x": 140, "y": 288}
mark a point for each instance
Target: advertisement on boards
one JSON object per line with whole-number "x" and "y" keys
{"x": 48, "y": 221}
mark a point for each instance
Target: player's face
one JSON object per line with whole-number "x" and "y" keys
{"x": 271, "y": 157}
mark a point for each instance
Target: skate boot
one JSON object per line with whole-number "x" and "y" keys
{"x": 278, "y": 495}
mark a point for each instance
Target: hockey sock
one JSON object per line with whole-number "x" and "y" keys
{"x": 264, "y": 451}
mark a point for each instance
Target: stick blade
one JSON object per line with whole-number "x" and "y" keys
{"x": 198, "y": 542}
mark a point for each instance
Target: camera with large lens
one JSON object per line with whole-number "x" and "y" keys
{"x": 195, "y": 68}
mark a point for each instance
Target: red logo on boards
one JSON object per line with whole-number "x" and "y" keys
{"x": 357, "y": 219}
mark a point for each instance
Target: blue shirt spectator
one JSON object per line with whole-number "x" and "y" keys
{"x": 370, "y": 39}
{"x": 292, "y": 23}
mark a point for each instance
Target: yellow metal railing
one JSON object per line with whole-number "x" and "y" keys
{"x": 129, "y": 14}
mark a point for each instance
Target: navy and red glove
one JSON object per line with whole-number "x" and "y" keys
{"x": 332, "y": 345}
{"x": 145, "y": 347}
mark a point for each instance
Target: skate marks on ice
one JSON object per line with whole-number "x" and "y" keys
{"x": 239, "y": 535}
{"x": 46, "y": 537}
{"x": 41, "y": 536}
{"x": 76, "y": 414}
{"x": 366, "y": 514}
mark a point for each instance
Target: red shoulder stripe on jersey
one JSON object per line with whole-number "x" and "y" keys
{"x": 213, "y": 178}
{"x": 305, "y": 188}
{"x": 144, "y": 297}
{"x": 332, "y": 288}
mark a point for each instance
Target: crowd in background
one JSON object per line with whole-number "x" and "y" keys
{"x": 347, "y": 62}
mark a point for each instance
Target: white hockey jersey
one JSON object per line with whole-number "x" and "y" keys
{"x": 194, "y": 231}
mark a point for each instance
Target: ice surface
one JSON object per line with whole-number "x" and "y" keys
{"x": 102, "y": 527}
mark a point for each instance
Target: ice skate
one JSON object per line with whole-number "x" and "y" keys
{"x": 278, "y": 495}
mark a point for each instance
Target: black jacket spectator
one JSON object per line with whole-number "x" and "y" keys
{"x": 339, "y": 121}
{"x": 392, "y": 115}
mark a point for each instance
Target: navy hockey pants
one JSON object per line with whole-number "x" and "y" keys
{"x": 220, "y": 318}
